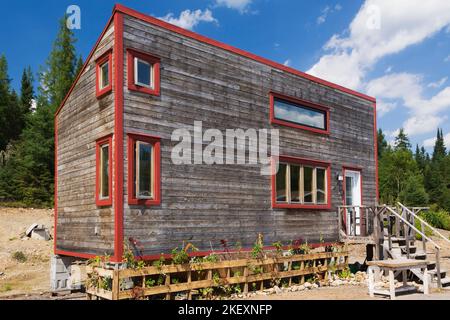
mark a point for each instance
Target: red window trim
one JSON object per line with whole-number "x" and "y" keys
{"x": 154, "y": 61}
{"x": 100, "y": 142}
{"x": 274, "y": 120}
{"x": 107, "y": 57}
{"x": 303, "y": 161}
{"x": 156, "y": 142}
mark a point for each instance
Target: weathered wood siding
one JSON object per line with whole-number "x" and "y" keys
{"x": 82, "y": 121}
{"x": 203, "y": 204}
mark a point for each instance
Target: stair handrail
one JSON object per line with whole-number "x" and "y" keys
{"x": 424, "y": 222}
{"x": 413, "y": 227}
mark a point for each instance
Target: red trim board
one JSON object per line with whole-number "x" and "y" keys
{"x": 154, "y": 61}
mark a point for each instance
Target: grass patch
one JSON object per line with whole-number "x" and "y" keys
{"x": 19, "y": 256}
{"x": 6, "y": 288}
{"x": 23, "y": 205}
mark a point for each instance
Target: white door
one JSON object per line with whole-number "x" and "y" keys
{"x": 353, "y": 198}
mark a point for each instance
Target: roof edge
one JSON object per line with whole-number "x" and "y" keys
{"x": 152, "y": 20}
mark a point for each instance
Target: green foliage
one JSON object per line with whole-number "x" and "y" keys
{"x": 345, "y": 274}
{"x": 150, "y": 282}
{"x": 19, "y": 256}
{"x": 438, "y": 218}
{"x": 413, "y": 193}
{"x": 181, "y": 256}
{"x": 278, "y": 246}
{"x": 130, "y": 260}
{"x": 257, "y": 250}
{"x": 428, "y": 232}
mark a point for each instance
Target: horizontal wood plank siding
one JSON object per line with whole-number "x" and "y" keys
{"x": 82, "y": 121}
{"x": 204, "y": 204}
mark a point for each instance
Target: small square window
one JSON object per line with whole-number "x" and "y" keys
{"x": 143, "y": 72}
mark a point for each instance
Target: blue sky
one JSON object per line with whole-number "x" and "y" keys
{"x": 389, "y": 49}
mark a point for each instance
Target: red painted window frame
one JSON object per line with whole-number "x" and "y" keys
{"x": 99, "y": 143}
{"x": 151, "y": 59}
{"x": 106, "y": 57}
{"x": 303, "y": 161}
{"x": 156, "y": 142}
{"x": 305, "y": 103}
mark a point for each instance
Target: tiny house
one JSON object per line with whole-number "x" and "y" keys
{"x": 115, "y": 180}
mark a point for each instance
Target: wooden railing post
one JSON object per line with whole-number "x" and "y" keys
{"x": 438, "y": 268}
{"x": 424, "y": 240}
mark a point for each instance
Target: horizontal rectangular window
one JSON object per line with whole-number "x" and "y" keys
{"x": 298, "y": 114}
{"x": 301, "y": 183}
{"x": 143, "y": 170}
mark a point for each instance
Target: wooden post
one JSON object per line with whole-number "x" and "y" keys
{"x": 391, "y": 284}
{"x": 168, "y": 287}
{"x": 115, "y": 285}
{"x": 438, "y": 268}
{"x": 339, "y": 221}
{"x": 246, "y": 280}
{"x": 424, "y": 241}
{"x": 189, "y": 280}
{"x": 405, "y": 228}
{"x": 426, "y": 284}
{"x": 354, "y": 220}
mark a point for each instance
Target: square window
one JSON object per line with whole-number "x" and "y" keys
{"x": 143, "y": 72}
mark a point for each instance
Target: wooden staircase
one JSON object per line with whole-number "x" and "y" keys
{"x": 391, "y": 232}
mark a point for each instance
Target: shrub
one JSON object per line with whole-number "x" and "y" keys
{"x": 19, "y": 256}
{"x": 428, "y": 232}
{"x": 437, "y": 218}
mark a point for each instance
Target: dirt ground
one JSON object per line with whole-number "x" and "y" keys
{"x": 31, "y": 279}
{"x": 33, "y": 275}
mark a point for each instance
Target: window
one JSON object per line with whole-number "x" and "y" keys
{"x": 301, "y": 183}
{"x": 143, "y": 170}
{"x": 143, "y": 72}
{"x": 299, "y": 114}
{"x": 104, "y": 74}
{"x": 103, "y": 188}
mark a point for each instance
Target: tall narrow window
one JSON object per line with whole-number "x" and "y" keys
{"x": 104, "y": 74}
{"x": 143, "y": 170}
{"x": 301, "y": 183}
{"x": 143, "y": 72}
{"x": 104, "y": 172}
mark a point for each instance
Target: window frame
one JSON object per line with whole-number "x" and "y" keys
{"x": 105, "y": 58}
{"x": 302, "y": 163}
{"x": 307, "y": 104}
{"x": 133, "y": 139}
{"x": 153, "y": 61}
{"x": 102, "y": 202}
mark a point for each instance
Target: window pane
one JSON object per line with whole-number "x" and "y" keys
{"x": 144, "y": 170}
{"x": 295, "y": 183}
{"x": 104, "y": 82}
{"x": 321, "y": 183}
{"x": 348, "y": 191}
{"x": 308, "y": 181}
{"x": 143, "y": 73}
{"x": 281, "y": 183}
{"x": 299, "y": 114}
{"x": 104, "y": 173}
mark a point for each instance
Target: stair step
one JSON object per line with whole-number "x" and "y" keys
{"x": 418, "y": 255}
{"x": 412, "y": 249}
{"x": 445, "y": 281}
{"x": 434, "y": 273}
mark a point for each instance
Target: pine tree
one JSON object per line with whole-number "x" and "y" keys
{"x": 421, "y": 158}
{"x": 4, "y": 103}
{"x": 383, "y": 146}
{"x": 79, "y": 66}
{"x": 439, "y": 151}
{"x": 32, "y": 166}
{"x": 402, "y": 141}
{"x": 27, "y": 91}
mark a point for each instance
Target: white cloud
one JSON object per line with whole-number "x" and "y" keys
{"x": 424, "y": 114}
{"x": 437, "y": 84}
{"x": 384, "y": 107}
{"x": 287, "y": 63}
{"x": 326, "y": 12}
{"x": 240, "y": 5}
{"x": 388, "y": 69}
{"x": 190, "y": 19}
{"x": 380, "y": 28}
{"x": 429, "y": 143}
{"x": 447, "y": 59}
